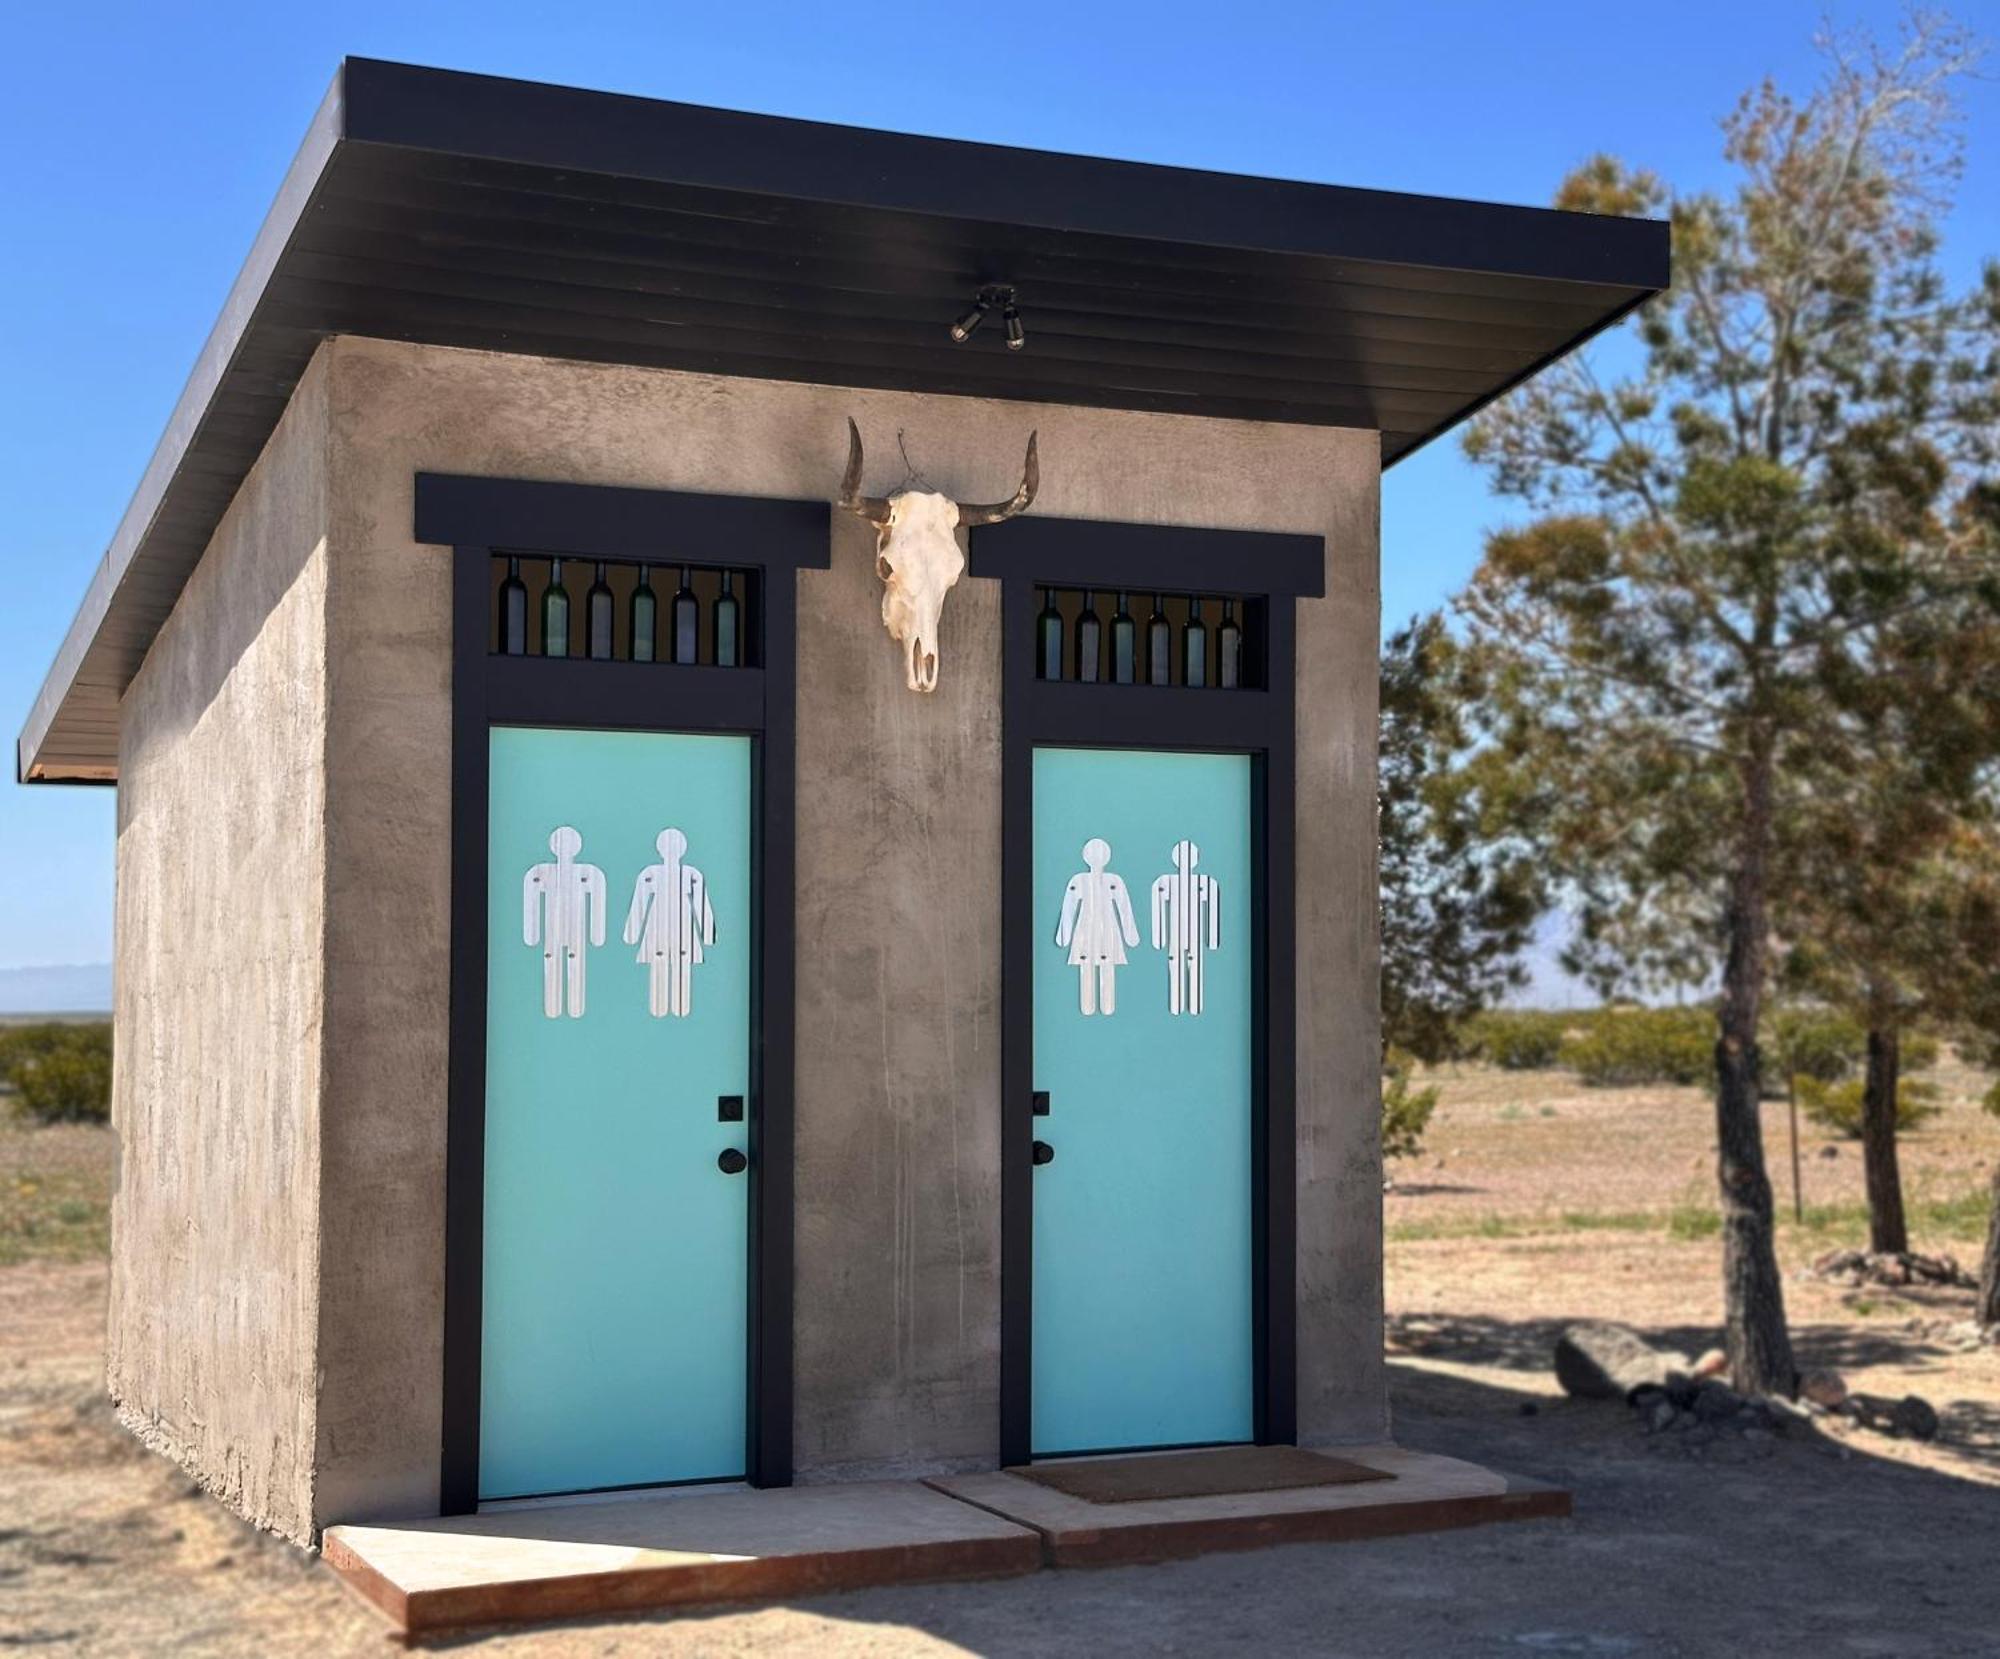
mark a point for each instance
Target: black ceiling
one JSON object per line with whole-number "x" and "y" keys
{"x": 457, "y": 209}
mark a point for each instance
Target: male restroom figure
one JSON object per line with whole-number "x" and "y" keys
{"x": 1187, "y": 918}
{"x": 1097, "y": 925}
{"x": 671, "y": 922}
{"x": 562, "y": 905}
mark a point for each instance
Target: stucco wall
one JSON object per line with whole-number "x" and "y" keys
{"x": 216, "y": 1089}
{"x": 898, "y": 1146}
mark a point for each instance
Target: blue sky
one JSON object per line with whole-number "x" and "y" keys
{"x": 145, "y": 142}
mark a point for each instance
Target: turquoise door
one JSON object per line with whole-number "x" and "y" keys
{"x": 1142, "y": 1325}
{"x": 614, "y": 1343}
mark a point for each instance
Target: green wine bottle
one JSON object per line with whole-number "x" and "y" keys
{"x": 1089, "y": 641}
{"x": 1124, "y": 645}
{"x": 1229, "y": 648}
{"x": 728, "y": 624}
{"x": 645, "y": 618}
{"x": 514, "y": 612}
{"x": 687, "y": 622}
{"x": 555, "y": 614}
{"x": 1194, "y": 647}
{"x": 598, "y": 609}
{"x": 1159, "y": 645}
{"x": 1049, "y": 639}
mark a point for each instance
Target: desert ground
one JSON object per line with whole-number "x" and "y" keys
{"x": 1535, "y": 1202}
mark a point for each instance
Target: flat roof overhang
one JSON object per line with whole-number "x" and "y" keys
{"x": 466, "y": 210}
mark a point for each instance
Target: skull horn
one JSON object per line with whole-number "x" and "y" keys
{"x": 874, "y": 508}
{"x": 992, "y": 512}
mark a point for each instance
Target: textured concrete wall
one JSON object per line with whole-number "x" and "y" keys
{"x": 216, "y": 1092}
{"x": 898, "y": 1146}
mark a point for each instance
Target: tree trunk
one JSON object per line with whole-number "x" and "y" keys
{"x": 1757, "y": 1340}
{"x": 1887, "y": 1230}
{"x": 1987, "y": 1310}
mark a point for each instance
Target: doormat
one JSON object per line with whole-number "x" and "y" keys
{"x": 1204, "y": 1474}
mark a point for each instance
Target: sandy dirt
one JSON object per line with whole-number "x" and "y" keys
{"x": 1823, "y": 1543}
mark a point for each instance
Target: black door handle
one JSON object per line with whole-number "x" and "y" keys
{"x": 731, "y": 1162}
{"x": 1042, "y": 1152}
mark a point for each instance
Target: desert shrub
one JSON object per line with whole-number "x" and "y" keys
{"x": 1406, "y": 1109}
{"x": 1921, "y": 1051}
{"x": 1837, "y": 1106}
{"x": 1813, "y": 1042}
{"x": 1515, "y": 1040}
{"x": 1626, "y": 1046}
{"x": 59, "y": 1073}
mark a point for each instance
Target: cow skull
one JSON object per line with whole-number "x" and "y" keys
{"x": 916, "y": 554}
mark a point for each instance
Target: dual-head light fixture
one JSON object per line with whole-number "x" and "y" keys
{"x": 984, "y": 301}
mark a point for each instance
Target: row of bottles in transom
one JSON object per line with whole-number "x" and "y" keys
{"x": 617, "y": 611}
{"x": 1203, "y": 640}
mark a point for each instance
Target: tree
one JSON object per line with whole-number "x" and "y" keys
{"x": 1891, "y": 885}
{"x": 1462, "y": 880}
{"x": 1986, "y": 1305}
{"x": 1796, "y": 458}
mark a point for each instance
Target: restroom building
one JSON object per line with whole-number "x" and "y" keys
{"x": 585, "y": 1018}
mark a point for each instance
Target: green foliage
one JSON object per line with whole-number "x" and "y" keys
{"x": 1813, "y": 1042}
{"x": 1837, "y": 1106}
{"x": 1751, "y": 621}
{"x": 59, "y": 1073}
{"x": 1406, "y": 1109}
{"x": 1461, "y": 881}
{"x": 1921, "y": 1051}
{"x": 1623, "y": 1047}
{"x": 1514, "y": 1039}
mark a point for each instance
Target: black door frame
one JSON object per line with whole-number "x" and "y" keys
{"x": 769, "y": 539}
{"x": 1271, "y": 571}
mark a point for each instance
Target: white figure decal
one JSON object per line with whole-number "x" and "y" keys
{"x": 672, "y": 922}
{"x": 1187, "y": 919}
{"x": 562, "y": 908}
{"x": 1096, "y": 925}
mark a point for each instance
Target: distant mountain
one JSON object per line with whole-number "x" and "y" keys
{"x": 77, "y": 988}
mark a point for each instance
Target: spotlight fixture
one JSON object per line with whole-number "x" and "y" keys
{"x": 1010, "y": 314}
{"x": 984, "y": 301}
{"x": 962, "y": 330}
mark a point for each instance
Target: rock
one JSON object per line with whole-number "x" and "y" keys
{"x": 1661, "y": 1416}
{"x": 1825, "y": 1389}
{"x": 1912, "y": 1416}
{"x": 1711, "y": 1364}
{"x": 1715, "y": 1401}
{"x": 1893, "y": 1269}
{"x": 1597, "y": 1360}
{"x": 1829, "y": 1152}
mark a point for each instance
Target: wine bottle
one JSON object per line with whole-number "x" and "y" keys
{"x": 598, "y": 608}
{"x": 1089, "y": 641}
{"x": 645, "y": 618}
{"x": 1159, "y": 646}
{"x": 727, "y": 626}
{"x": 687, "y": 622}
{"x": 514, "y": 611}
{"x": 1049, "y": 638}
{"x": 1229, "y": 648}
{"x": 1124, "y": 645}
{"x": 1194, "y": 648}
{"x": 555, "y": 614}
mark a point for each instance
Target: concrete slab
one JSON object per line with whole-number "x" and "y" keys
{"x": 1427, "y": 1493}
{"x": 671, "y": 1549}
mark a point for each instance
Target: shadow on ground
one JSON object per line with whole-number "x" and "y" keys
{"x": 1653, "y": 1563}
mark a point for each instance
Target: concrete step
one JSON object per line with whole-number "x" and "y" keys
{"x": 691, "y": 1546}
{"x": 1427, "y": 1494}
{"x": 674, "y": 1548}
